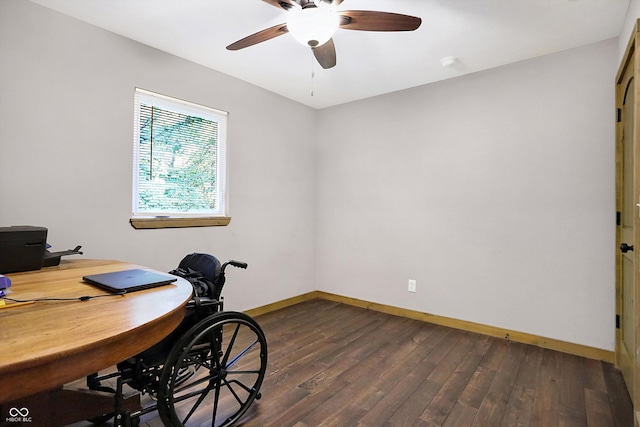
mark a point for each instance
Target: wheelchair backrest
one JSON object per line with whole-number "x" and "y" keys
{"x": 203, "y": 271}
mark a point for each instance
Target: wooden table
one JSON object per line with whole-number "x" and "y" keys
{"x": 50, "y": 343}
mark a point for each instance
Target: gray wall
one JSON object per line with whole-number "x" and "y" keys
{"x": 495, "y": 191}
{"x": 66, "y": 153}
{"x": 633, "y": 13}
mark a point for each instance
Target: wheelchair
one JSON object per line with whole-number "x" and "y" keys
{"x": 206, "y": 372}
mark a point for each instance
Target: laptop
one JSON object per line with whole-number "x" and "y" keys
{"x": 128, "y": 280}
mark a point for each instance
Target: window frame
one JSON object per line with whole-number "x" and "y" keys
{"x": 163, "y": 219}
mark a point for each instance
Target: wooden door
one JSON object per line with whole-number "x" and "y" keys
{"x": 628, "y": 202}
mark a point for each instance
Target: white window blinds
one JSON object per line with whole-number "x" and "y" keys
{"x": 179, "y": 158}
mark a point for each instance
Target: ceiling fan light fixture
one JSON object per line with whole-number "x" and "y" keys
{"x": 312, "y": 26}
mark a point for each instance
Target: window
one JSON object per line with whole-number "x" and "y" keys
{"x": 179, "y": 163}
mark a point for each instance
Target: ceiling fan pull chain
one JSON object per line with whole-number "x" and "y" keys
{"x": 313, "y": 74}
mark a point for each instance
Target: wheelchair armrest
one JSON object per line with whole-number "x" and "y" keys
{"x": 204, "y": 301}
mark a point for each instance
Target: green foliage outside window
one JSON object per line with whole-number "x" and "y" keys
{"x": 177, "y": 162}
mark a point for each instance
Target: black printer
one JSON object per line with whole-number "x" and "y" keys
{"x": 24, "y": 248}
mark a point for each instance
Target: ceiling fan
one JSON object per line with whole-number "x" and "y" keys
{"x": 313, "y": 23}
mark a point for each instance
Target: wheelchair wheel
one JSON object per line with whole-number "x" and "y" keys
{"x": 214, "y": 372}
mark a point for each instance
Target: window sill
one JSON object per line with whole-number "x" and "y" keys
{"x": 154, "y": 222}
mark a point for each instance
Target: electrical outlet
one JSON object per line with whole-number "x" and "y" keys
{"x": 412, "y": 285}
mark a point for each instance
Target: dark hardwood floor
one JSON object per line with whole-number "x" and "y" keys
{"x": 332, "y": 364}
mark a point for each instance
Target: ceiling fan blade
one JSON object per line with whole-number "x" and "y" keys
{"x": 282, "y": 4}
{"x": 259, "y": 37}
{"x": 326, "y": 54}
{"x": 370, "y": 20}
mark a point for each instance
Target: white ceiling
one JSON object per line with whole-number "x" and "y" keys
{"x": 482, "y": 33}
